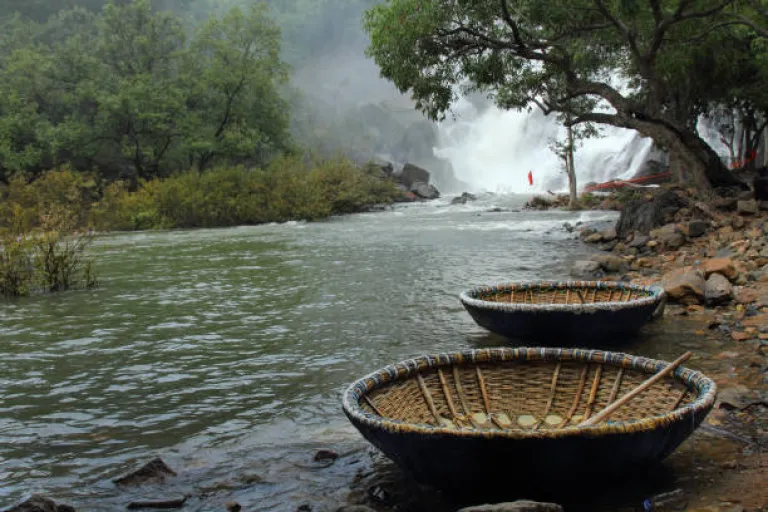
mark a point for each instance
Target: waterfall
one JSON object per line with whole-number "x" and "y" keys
{"x": 493, "y": 150}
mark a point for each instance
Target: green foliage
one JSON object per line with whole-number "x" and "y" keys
{"x": 289, "y": 188}
{"x": 124, "y": 91}
{"x": 41, "y": 248}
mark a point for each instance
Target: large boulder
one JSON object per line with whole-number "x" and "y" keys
{"x": 413, "y": 174}
{"x": 424, "y": 190}
{"x": 643, "y": 215}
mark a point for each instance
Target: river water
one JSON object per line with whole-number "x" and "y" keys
{"x": 225, "y": 351}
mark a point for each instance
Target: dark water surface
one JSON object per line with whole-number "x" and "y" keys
{"x": 226, "y": 351}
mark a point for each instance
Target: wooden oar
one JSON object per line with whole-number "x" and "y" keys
{"x": 611, "y": 408}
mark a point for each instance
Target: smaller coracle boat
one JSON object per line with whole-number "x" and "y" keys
{"x": 527, "y": 418}
{"x": 587, "y": 313}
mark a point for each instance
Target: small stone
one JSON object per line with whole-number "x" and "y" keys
{"x": 610, "y": 262}
{"x": 722, "y": 266}
{"x": 176, "y": 502}
{"x": 304, "y": 507}
{"x": 154, "y": 471}
{"x": 233, "y": 506}
{"x": 669, "y": 236}
{"x": 585, "y": 269}
{"x": 639, "y": 240}
{"x": 325, "y": 455}
{"x": 515, "y": 506}
{"x": 746, "y": 295}
{"x": 594, "y": 238}
{"x": 37, "y": 503}
{"x": 740, "y": 336}
{"x": 747, "y": 207}
{"x": 738, "y": 222}
{"x": 609, "y": 235}
{"x": 668, "y": 501}
{"x": 695, "y": 228}
{"x": 717, "y": 290}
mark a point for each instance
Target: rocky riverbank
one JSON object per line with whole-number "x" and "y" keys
{"x": 706, "y": 257}
{"x": 712, "y": 261}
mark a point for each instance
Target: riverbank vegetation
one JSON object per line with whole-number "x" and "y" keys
{"x": 154, "y": 115}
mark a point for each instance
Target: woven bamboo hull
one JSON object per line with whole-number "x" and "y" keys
{"x": 475, "y": 466}
{"x": 512, "y": 418}
{"x": 597, "y": 324}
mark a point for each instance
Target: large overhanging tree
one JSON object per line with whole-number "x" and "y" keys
{"x": 627, "y": 63}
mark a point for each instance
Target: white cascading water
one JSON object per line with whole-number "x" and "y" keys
{"x": 493, "y": 150}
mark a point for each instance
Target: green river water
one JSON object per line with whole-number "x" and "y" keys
{"x": 226, "y": 351}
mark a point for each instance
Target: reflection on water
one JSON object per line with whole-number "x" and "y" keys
{"x": 226, "y": 351}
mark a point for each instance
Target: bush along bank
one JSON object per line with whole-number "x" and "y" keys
{"x": 46, "y": 225}
{"x": 288, "y": 189}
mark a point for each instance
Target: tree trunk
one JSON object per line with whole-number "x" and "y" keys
{"x": 692, "y": 162}
{"x": 570, "y": 168}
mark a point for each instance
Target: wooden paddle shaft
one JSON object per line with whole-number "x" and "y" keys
{"x": 611, "y": 408}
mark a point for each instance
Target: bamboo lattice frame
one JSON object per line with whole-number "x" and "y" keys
{"x": 573, "y": 296}
{"x": 482, "y": 393}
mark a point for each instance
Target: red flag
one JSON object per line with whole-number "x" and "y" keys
{"x": 530, "y": 177}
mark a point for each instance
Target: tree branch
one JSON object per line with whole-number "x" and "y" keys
{"x": 507, "y": 17}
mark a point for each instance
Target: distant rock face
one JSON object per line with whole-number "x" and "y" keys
{"x": 413, "y": 174}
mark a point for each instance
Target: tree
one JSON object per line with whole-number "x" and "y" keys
{"x": 598, "y": 61}
{"x": 236, "y": 109}
{"x": 566, "y": 151}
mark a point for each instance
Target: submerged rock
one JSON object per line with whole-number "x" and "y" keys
{"x": 175, "y": 502}
{"x": 515, "y": 506}
{"x": 154, "y": 471}
{"x": 37, "y": 503}
{"x": 464, "y": 198}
